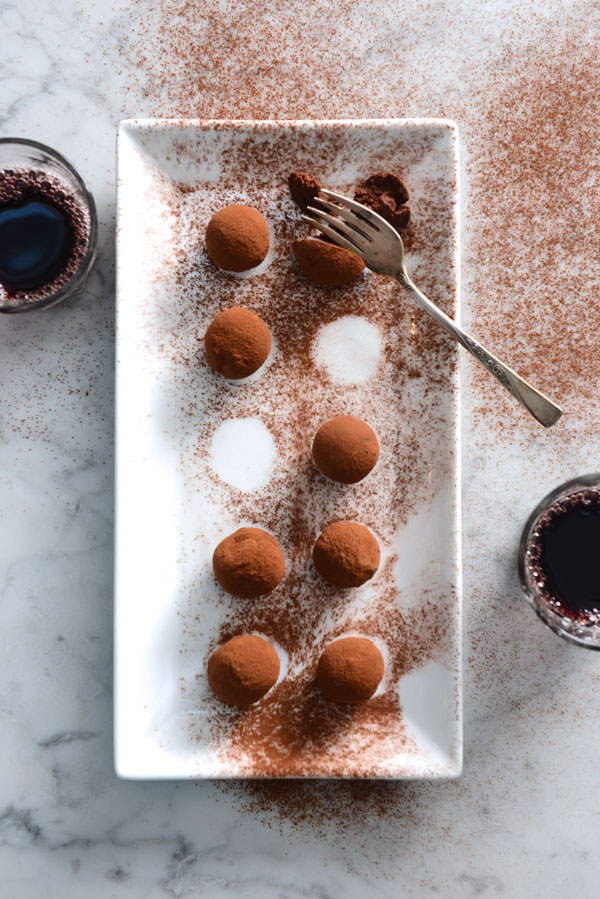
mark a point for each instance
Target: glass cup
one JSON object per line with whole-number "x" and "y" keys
{"x": 581, "y": 632}
{"x": 28, "y": 158}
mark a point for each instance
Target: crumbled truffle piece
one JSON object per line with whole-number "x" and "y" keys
{"x": 346, "y": 554}
{"x": 242, "y": 670}
{"x": 237, "y": 238}
{"x": 248, "y": 563}
{"x": 303, "y": 189}
{"x": 386, "y": 194}
{"x": 237, "y": 343}
{"x": 326, "y": 264}
{"x": 350, "y": 670}
{"x": 345, "y": 449}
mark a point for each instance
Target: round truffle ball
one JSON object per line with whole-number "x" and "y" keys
{"x": 327, "y": 264}
{"x": 248, "y": 563}
{"x": 350, "y": 670}
{"x": 237, "y": 343}
{"x": 345, "y": 449}
{"x": 242, "y": 670}
{"x": 346, "y": 554}
{"x": 237, "y": 238}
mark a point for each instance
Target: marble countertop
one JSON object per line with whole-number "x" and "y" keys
{"x": 521, "y": 821}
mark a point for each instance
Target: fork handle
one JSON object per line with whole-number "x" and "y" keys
{"x": 543, "y": 409}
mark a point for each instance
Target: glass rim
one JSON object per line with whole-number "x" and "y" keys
{"x": 86, "y": 263}
{"x": 554, "y": 623}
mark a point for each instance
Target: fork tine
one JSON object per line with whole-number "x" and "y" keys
{"x": 358, "y": 237}
{"x": 334, "y": 235}
{"x": 357, "y": 223}
{"x": 361, "y": 210}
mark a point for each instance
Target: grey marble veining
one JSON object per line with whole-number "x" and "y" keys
{"x": 521, "y": 821}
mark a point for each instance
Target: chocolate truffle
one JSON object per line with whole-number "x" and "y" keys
{"x": 248, "y": 563}
{"x": 237, "y": 343}
{"x": 386, "y": 194}
{"x": 237, "y": 238}
{"x": 303, "y": 188}
{"x": 242, "y": 670}
{"x": 346, "y": 554}
{"x": 350, "y": 670}
{"x": 326, "y": 264}
{"x": 345, "y": 449}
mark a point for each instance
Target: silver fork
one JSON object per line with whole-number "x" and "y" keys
{"x": 353, "y": 226}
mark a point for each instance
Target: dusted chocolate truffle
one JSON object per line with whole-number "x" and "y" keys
{"x": 237, "y": 343}
{"x": 345, "y": 449}
{"x": 248, "y": 563}
{"x": 350, "y": 670}
{"x": 303, "y": 188}
{"x": 237, "y": 238}
{"x": 346, "y": 554}
{"x": 386, "y": 194}
{"x": 243, "y": 670}
{"x": 326, "y": 264}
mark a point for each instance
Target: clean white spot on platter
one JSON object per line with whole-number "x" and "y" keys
{"x": 349, "y": 349}
{"x": 242, "y": 453}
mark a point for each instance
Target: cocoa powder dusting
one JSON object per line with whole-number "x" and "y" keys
{"x": 530, "y": 179}
{"x": 294, "y": 730}
{"x": 525, "y": 99}
{"x": 528, "y": 115}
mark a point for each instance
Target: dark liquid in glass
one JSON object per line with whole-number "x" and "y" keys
{"x": 564, "y": 556}
{"x": 44, "y": 234}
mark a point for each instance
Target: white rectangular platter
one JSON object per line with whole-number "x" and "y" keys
{"x": 198, "y": 457}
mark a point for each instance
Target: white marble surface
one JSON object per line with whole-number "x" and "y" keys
{"x": 523, "y": 819}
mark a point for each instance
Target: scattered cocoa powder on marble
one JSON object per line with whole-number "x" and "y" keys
{"x": 524, "y": 101}
{"x": 528, "y": 113}
{"x": 532, "y": 258}
{"x": 180, "y": 56}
